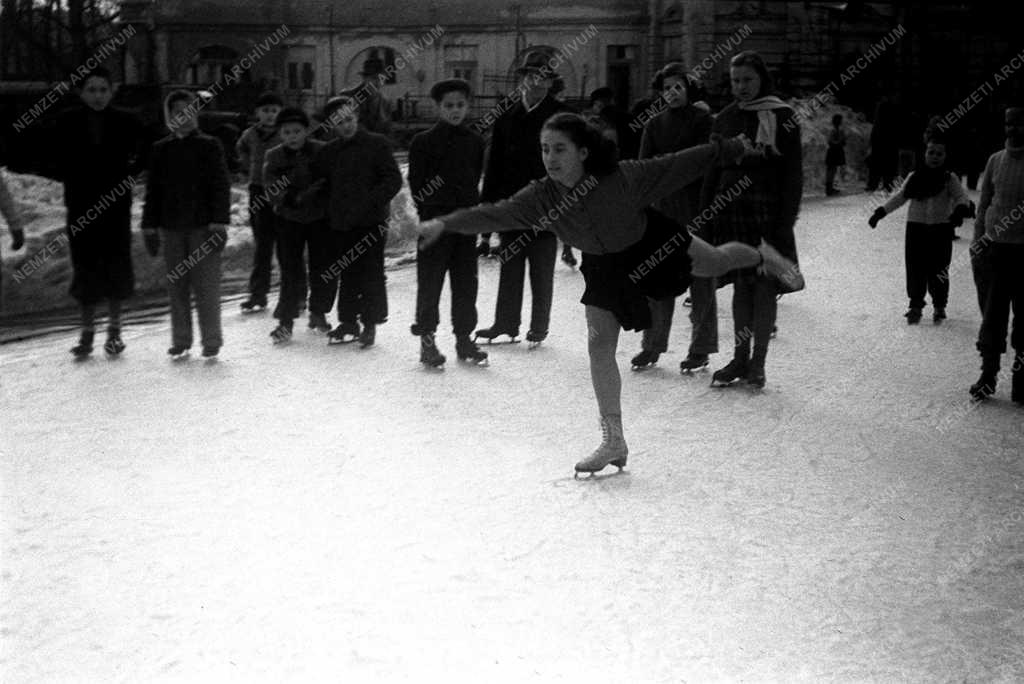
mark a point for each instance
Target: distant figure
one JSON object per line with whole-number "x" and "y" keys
{"x": 374, "y": 109}
{"x": 835, "y": 156}
{"x": 883, "y": 159}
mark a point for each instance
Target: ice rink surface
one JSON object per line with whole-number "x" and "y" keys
{"x": 314, "y": 513}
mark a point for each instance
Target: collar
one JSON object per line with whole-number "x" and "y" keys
{"x": 527, "y": 107}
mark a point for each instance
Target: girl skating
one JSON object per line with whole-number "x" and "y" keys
{"x": 597, "y": 205}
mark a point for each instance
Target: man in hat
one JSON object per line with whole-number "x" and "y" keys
{"x": 374, "y": 108}
{"x": 514, "y": 162}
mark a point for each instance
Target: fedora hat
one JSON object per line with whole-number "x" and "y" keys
{"x": 535, "y": 61}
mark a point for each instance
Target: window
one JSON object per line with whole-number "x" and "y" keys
{"x": 300, "y": 67}
{"x": 460, "y": 61}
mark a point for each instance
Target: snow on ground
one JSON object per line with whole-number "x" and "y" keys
{"x": 315, "y": 513}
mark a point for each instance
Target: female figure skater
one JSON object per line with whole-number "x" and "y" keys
{"x": 596, "y": 204}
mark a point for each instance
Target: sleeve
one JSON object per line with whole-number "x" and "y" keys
{"x": 243, "y": 150}
{"x": 791, "y": 149}
{"x": 273, "y": 177}
{"x": 389, "y": 178}
{"x": 649, "y": 180}
{"x": 418, "y": 171}
{"x": 898, "y": 198}
{"x": 219, "y": 191}
{"x": 987, "y": 191}
{"x": 152, "y": 207}
{"x": 957, "y": 192}
{"x": 7, "y": 207}
{"x": 492, "y": 174}
{"x": 646, "y": 143}
{"x": 522, "y": 211}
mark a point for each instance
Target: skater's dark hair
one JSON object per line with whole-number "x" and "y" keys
{"x": 99, "y": 72}
{"x": 752, "y": 59}
{"x": 603, "y": 157}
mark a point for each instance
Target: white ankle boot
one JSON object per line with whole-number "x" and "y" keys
{"x": 780, "y": 268}
{"x": 612, "y": 450}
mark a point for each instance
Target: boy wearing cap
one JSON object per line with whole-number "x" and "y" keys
{"x": 514, "y": 162}
{"x": 360, "y": 178}
{"x": 251, "y": 148}
{"x": 300, "y": 222}
{"x": 445, "y": 164}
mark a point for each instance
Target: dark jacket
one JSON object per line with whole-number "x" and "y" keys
{"x": 252, "y": 146}
{"x": 97, "y": 152}
{"x": 445, "y": 164}
{"x": 289, "y": 174}
{"x": 670, "y": 131}
{"x": 514, "y": 159}
{"x": 361, "y": 176}
{"x": 766, "y": 188}
{"x": 188, "y": 185}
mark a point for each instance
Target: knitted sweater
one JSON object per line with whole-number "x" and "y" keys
{"x": 1001, "y": 208}
{"x": 599, "y": 215}
{"x": 932, "y": 210}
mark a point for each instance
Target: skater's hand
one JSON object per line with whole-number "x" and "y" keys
{"x": 218, "y": 235}
{"x": 151, "y": 236}
{"x": 17, "y": 238}
{"x": 960, "y": 212}
{"x": 879, "y": 214}
{"x": 430, "y": 232}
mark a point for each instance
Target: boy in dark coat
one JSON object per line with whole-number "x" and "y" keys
{"x": 99, "y": 149}
{"x": 445, "y": 164}
{"x": 188, "y": 207}
{"x": 361, "y": 177}
{"x": 300, "y": 221}
{"x": 251, "y": 147}
{"x": 514, "y": 160}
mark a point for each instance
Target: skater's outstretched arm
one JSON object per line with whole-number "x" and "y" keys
{"x": 522, "y": 211}
{"x": 650, "y": 180}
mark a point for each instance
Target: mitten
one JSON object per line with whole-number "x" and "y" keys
{"x": 879, "y": 214}
{"x": 960, "y": 212}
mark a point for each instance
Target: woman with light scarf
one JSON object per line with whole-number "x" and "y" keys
{"x": 755, "y": 199}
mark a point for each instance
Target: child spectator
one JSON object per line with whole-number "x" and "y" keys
{"x": 251, "y": 148}
{"x": 835, "y": 156}
{"x": 187, "y": 209}
{"x": 300, "y": 223}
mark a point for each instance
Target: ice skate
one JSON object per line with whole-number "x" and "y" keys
{"x": 913, "y": 316}
{"x": 693, "y": 363}
{"x": 253, "y": 305}
{"x": 612, "y": 450}
{"x": 281, "y": 334}
{"x": 84, "y": 346}
{"x": 779, "y": 267}
{"x": 344, "y": 333}
{"x": 114, "y": 344}
{"x": 492, "y": 333}
{"x": 644, "y": 360}
{"x": 318, "y": 322}
{"x": 984, "y": 388}
{"x": 467, "y": 351}
{"x": 368, "y": 336}
{"x": 535, "y": 338}
{"x": 210, "y": 353}
{"x": 178, "y": 352}
{"x": 732, "y": 372}
{"x": 430, "y": 355}
{"x": 939, "y": 315}
{"x": 755, "y": 375}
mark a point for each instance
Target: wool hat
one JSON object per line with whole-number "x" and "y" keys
{"x": 269, "y": 98}
{"x": 450, "y": 85}
{"x": 292, "y": 115}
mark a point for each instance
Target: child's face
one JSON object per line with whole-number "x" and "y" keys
{"x": 563, "y": 159}
{"x": 746, "y": 84}
{"x": 934, "y": 155}
{"x": 453, "y": 107}
{"x": 96, "y": 93}
{"x": 183, "y": 117}
{"x": 293, "y": 134}
{"x": 674, "y": 91}
{"x": 267, "y": 114}
{"x": 1015, "y": 126}
{"x": 345, "y": 120}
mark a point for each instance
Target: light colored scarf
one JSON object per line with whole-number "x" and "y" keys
{"x": 767, "y": 121}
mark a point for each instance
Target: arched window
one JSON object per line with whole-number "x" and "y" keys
{"x": 210, "y": 63}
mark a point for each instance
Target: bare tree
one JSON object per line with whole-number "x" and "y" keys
{"x": 46, "y": 39}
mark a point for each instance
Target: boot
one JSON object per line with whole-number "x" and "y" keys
{"x": 114, "y": 344}
{"x": 318, "y": 322}
{"x": 84, "y": 346}
{"x": 645, "y": 359}
{"x": 755, "y": 369}
{"x": 612, "y": 450}
{"x": 282, "y": 333}
{"x": 913, "y": 316}
{"x": 985, "y": 387}
{"x": 254, "y": 304}
{"x": 343, "y": 331}
{"x": 429, "y": 353}
{"x": 467, "y": 350}
{"x": 781, "y": 268}
{"x": 494, "y": 331}
{"x": 368, "y": 336}
{"x": 734, "y": 370}
{"x": 692, "y": 363}
{"x": 939, "y": 315}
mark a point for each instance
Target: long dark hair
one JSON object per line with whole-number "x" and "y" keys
{"x": 755, "y": 61}
{"x": 603, "y": 157}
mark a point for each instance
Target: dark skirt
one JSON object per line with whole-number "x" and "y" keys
{"x": 101, "y": 256}
{"x": 657, "y": 267}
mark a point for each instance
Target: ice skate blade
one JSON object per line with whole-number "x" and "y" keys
{"x": 534, "y": 345}
{"x": 643, "y": 367}
{"x": 694, "y": 371}
{"x": 178, "y": 358}
{"x": 482, "y": 363}
{"x": 512, "y": 339}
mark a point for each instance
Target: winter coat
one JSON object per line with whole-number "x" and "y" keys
{"x": 289, "y": 175}
{"x": 670, "y": 131}
{"x": 445, "y": 164}
{"x": 188, "y": 186}
{"x": 361, "y": 178}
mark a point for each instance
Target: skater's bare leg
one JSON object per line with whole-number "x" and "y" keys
{"x": 602, "y": 341}
{"x": 709, "y": 261}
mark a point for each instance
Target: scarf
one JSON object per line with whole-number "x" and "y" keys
{"x": 926, "y": 182}
{"x": 767, "y": 121}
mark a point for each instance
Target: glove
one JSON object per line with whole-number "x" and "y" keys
{"x": 151, "y": 236}
{"x": 218, "y": 236}
{"x": 879, "y": 214}
{"x": 17, "y": 239}
{"x": 960, "y": 212}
